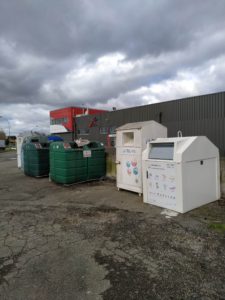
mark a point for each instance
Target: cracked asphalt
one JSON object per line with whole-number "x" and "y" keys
{"x": 90, "y": 241}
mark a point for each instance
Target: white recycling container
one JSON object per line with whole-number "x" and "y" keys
{"x": 131, "y": 140}
{"x": 181, "y": 173}
{"x": 2, "y": 139}
{"x": 19, "y": 143}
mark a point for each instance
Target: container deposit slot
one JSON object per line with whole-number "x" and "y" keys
{"x": 128, "y": 138}
{"x": 161, "y": 151}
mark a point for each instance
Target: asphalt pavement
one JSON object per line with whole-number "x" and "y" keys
{"x": 89, "y": 241}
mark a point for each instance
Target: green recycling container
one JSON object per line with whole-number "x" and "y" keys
{"x": 67, "y": 163}
{"x": 36, "y": 158}
{"x": 96, "y": 157}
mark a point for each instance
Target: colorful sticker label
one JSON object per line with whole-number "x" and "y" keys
{"x": 130, "y": 166}
{"x": 162, "y": 184}
{"x": 131, "y": 172}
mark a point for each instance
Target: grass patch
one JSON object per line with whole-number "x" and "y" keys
{"x": 217, "y": 226}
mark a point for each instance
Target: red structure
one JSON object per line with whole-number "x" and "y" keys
{"x": 63, "y": 120}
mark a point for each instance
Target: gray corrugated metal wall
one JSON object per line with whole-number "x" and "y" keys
{"x": 201, "y": 115}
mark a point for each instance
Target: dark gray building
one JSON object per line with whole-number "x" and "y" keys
{"x": 200, "y": 115}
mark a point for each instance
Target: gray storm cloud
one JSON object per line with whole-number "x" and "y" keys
{"x": 107, "y": 53}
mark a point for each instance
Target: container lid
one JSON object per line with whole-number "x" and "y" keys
{"x": 136, "y": 125}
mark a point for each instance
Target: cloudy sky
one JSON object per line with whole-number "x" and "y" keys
{"x": 106, "y": 53}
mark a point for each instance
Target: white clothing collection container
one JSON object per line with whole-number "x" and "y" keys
{"x": 131, "y": 140}
{"x": 19, "y": 143}
{"x": 181, "y": 173}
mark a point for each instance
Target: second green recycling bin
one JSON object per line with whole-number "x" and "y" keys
{"x": 67, "y": 164}
{"x": 70, "y": 163}
{"x": 96, "y": 165}
{"x": 36, "y": 157}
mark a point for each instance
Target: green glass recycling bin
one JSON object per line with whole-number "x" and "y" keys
{"x": 36, "y": 159}
{"x": 67, "y": 163}
{"x": 96, "y": 157}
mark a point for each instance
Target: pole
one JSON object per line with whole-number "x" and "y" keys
{"x": 9, "y": 127}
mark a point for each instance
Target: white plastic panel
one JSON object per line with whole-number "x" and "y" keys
{"x": 199, "y": 183}
{"x": 129, "y": 168}
{"x": 19, "y": 142}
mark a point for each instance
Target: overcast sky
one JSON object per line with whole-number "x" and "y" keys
{"x": 57, "y": 53}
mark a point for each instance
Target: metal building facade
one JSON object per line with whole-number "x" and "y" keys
{"x": 200, "y": 115}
